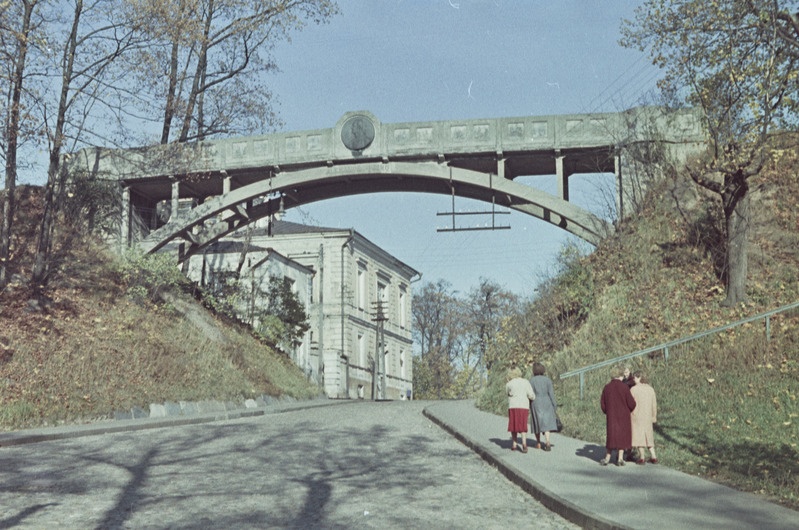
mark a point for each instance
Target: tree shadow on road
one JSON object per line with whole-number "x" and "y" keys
{"x": 277, "y": 471}
{"x": 14, "y": 520}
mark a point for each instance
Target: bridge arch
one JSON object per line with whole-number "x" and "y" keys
{"x": 224, "y": 214}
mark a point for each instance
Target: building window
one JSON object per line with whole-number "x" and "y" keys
{"x": 317, "y": 288}
{"x": 382, "y": 297}
{"x": 361, "y": 286}
{"x": 403, "y": 300}
{"x": 218, "y": 281}
{"x": 403, "y": 361}
{"x": 361, "y": 350}
{"x": 381, "y": 291}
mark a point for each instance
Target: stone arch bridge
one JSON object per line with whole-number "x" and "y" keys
{"x": 193, "y": 194}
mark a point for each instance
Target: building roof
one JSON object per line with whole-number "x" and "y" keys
{"x": 283, "y": 228}
{"x": 274, "y": 254}
{"x": 280, "y": 227}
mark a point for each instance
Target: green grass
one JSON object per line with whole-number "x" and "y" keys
{"x": 97, "y": 349}
{"x": 724, "y": 413}
{"x": 728, "y": 410}
{"x": 727, "y": 403}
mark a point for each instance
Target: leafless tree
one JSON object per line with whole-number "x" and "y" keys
{"x": 83, "y": 45}
{"x": 211, "y": 56}
{"x": 17, "y": 22}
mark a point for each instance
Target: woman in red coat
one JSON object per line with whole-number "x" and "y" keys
{"x": 617, "y": 403}
{"x": 520, "y": 394}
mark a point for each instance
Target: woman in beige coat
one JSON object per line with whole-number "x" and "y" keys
{"x": 520, "y": 394}
{"x": 643, "y": 418}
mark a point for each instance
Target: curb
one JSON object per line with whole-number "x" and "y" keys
{"x": 127, "y": 424}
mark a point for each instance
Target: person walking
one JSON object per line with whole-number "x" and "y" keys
{"x": 629, "y": 380}
{"x": 643, "y": 418}
{"x": 617, "y": 403}
{"x": 520, "y": 394}
{"x": 543, "y": 409}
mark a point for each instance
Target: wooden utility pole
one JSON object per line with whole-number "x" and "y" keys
{"x": 379, "y": 318}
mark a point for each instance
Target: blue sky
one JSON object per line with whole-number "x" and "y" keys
{"x": 422, "y": 60}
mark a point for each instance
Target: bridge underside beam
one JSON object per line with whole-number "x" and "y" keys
{"x": 222, "y": 215}
{"x": 514, "y": 165}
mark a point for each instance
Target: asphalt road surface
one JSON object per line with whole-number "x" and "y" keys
{"x": 348, "y": 465}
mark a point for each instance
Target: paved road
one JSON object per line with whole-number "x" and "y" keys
{"x": 347, "y": 465}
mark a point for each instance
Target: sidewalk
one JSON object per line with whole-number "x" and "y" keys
{"x": 569, "y": 481}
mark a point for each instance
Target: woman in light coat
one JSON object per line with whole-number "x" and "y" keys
{"x": 520, "y": 393}
{"x": 643, "y": 418}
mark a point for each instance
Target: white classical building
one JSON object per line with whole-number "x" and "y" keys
{"x": 358, "y": 300}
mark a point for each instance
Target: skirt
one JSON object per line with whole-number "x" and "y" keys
{"x": 517, "y": 420}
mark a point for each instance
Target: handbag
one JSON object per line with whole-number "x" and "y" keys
{"x": 558, "y": 423}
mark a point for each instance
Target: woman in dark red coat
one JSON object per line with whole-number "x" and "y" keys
{"x": 617, "y": 403}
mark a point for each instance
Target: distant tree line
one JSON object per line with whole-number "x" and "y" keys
{"x": 453, "y": 334}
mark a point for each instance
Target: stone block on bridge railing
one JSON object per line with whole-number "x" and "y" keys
{"x": 210, "y": 406}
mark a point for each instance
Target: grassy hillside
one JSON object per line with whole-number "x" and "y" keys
{"x": 90, "y": 348}
{"x": 727, "y": 404}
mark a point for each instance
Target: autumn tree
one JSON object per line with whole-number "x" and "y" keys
{"x": 438, "y": 320}
{"x": 284, "y": 307}
{"x": 736, "y": 61}
{"x": 96, "y": 55}
{"x": 488, "y": 306}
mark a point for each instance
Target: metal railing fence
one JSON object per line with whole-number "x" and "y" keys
{"x": 667, "y": 345}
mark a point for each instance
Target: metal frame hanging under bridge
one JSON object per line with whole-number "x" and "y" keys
{"x": 493, "y": 213}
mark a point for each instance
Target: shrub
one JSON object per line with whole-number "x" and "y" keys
{"x": 148, "y": 275}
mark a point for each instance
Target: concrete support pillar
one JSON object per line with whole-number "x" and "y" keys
{"x": 500, "y": 166}
{"x": 175, "y": 197}
{"x": 563, "y": 177}
{"x": 124, "y": 236}
{"x": 226, "y": 185}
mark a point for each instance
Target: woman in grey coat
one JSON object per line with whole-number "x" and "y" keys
{"x": 543, "y": 408}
